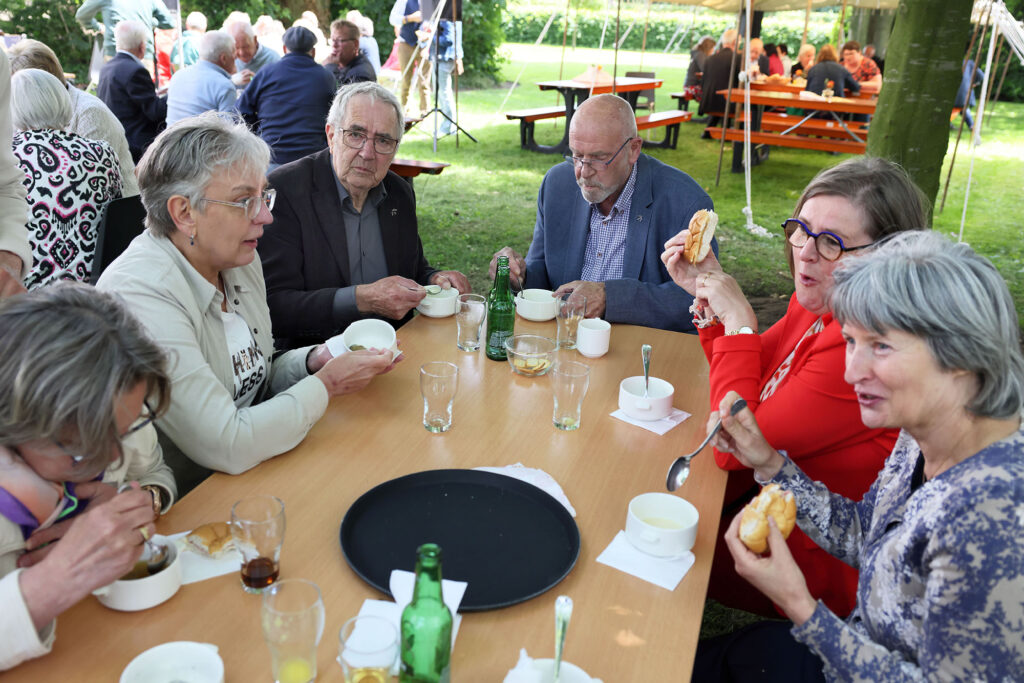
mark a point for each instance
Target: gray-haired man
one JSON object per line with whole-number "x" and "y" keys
{"x": 206, "y": 85}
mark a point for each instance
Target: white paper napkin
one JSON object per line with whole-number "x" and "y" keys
{"x": 667, "y": 573}
{"x": 195, "y": 567}
{"x": 659, "y": 427}
{"x": 401, "y": 585}
{"x": 538, "y": 478}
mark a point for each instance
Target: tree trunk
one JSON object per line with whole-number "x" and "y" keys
{"x": 872, "y": 27}
{"x": 322, "y": 9}
{"x": 922, "y": 74}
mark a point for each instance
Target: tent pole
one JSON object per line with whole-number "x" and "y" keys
{"x": 515, "y": 83}
{"x": 565, "y": 32}
{"x": 960, "y": 131}
{"x": 615, "y": 66}
{"x": 1001, "y": 39}
{"x": 999, "y": 89}
{"x": 728, "y": 105}
{"x": 807, "y": 21}
{"x": 842, "y": 30}
{"x": 643, "y": 45}
{"x": 976, "y": 139}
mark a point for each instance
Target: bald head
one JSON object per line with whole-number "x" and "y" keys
{"x": 605, "y": 114}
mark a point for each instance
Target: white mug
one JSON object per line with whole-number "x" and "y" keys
{"x": 131, "y": 595}
{"x": 662, "y": 525}
{"x": 592, "y": 337}
{"x": 657, "y": 404}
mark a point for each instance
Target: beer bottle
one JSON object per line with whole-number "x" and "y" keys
{"x": 426, "y": 623}
{"x": 501, "y": 312}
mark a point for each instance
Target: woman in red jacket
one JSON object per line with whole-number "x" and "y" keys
{"x": 792, "y": 375}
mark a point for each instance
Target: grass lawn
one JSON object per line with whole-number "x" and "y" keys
{"x": 487, "y": 199}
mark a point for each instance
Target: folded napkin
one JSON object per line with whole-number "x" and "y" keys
{"x": 401, "y": 585}
{"x": 538, "y": 478}
{"x": 659, "y": 427}
{"x": 529, "y": 670}
{"x": 665, "y": 572}
{"x": 195, "y": 567}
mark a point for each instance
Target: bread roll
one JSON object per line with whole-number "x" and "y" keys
{"x": 210, "y": 540}
{"x": 702, "y": 230}
{"x": 754, "y": 523}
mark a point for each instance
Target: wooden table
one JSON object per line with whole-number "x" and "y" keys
{"x": 623, "y": 629}
{"x": 790, "y": 88}
{"x": 575, "y": 92}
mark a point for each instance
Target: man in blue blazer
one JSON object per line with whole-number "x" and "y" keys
{"x": 603, "y": 219}
{"x": 127, "y": 88}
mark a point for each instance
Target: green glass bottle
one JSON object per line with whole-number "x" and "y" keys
{"x": 426, "y": 623}
{"x": 501, "y": 312}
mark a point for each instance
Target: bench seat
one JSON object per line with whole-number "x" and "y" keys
{"x": 527, "y": 118}
{"x": 791, "y": 140}
{"x": 670, "y": 120}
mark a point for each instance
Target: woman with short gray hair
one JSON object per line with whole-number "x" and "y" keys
{"x": 69, "y": 179}
{"x": 932, "y": 349}
{"x": 195, "y": 282}
{"x": 82, "y": 383}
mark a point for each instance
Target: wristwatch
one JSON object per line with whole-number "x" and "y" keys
{"x": 743, "y": 330}
{"x": 158, "y": 505}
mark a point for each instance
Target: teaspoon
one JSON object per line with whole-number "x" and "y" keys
{"x": 680, "y": 469}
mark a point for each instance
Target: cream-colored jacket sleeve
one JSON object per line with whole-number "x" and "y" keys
{"x": 143, "y": 462}
{"x": 13, "y": 208}
{"x": 19, "y": 639}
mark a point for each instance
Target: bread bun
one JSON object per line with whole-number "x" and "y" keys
{"x": 754, "y": 523}
{"x": 702, "y": 230}
{"x": 211, "y": 540}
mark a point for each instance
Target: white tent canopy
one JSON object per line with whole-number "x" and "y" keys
{"x": 778, "y": 5}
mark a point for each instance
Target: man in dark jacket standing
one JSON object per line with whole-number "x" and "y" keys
{"x": 716, "y": 77}
{"x": 127, "y": 89}
{"x": 269, "y": 103}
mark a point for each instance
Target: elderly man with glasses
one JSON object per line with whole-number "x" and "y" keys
{"x": 345, "y": 244}
{"x": 604, "y": 241}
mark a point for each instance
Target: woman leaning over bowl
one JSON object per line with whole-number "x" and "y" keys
{"x": 195, "y": 282}
{"x": 933, "y": 349}
{"x": 81, "y": 385}
{"x": 792, "y": 375}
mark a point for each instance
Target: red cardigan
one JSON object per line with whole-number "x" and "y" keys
{"x": 813, "y": 416}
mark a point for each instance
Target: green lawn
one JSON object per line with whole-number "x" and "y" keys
{"x": 487, "y": 198}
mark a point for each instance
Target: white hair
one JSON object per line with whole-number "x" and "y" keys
{"x": 130, "y": 34}
{"x": 39, "y": 101}
{"x": 196, "y": 20}
{"x": 239, "y": 26}
{"x": 216, "y": 44}
{"x": 374, "y": 91}
{"x": 729, "y": 38}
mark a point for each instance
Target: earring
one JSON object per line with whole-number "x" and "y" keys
{"x": 192, "y": 240}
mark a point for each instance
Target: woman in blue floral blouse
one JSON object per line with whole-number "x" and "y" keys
{"x": 933, "y": 348}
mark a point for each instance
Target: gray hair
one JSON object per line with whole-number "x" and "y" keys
{"x": 130, "y": 34}
{"x": 32, "y": 54}
{"x": 240, "y": 27}
{"x": 922, "y": 284}
{"x": 729, "y": 38}
{"x": 196, "y": 20}
{"x": 39, "y": 101}
{"x": 67, "y": 353}
{"x": 371, "y": 89}
{"x": 184, "y": 158}
{"x": 882, "y": 191}
{"x": 216, "y": 44}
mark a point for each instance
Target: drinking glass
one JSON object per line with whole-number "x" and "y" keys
{"x": 292, "y": 616}
{"x": 438, "y": 382}
{"x": 569, "y": 382}
{"x": 572, "y": 308}
{"x": 368, "y": 649}
{"x": 257, "y": 525}
{"x": 470, "y": 314}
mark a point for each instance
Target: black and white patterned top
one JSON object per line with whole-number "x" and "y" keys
{"x": 70, "y": 180}
{"x": 941, "y": 591}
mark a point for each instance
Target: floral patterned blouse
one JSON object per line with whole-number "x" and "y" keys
{"x": 69, "y": 180}
{"x": 941, "y": 591}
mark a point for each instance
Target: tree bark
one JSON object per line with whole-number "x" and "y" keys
{"x": 922, "y": 74}
{"x": 320, "y": 7}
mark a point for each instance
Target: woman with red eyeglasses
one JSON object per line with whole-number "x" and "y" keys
{"x": 791, "y": 375}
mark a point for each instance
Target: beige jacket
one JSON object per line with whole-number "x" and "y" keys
{"x": 181, "y": 310}
{"x": 13, "y": 207}
{"x": 19, "y": 639}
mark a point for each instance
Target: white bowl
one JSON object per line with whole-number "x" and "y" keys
{"x": 656, "y": 406}
{"x": 537, "y": 304}
{"x": 567, "y": 673}
{"x": 131, "y": 595}
{"x": 178, "y": 661}
{"x": 661, "y": 524}
{"x": 370, "y": 333}
{"x": 440, "y": 305}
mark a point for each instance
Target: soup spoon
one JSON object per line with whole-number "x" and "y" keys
{"x": 680, "y": 469}
{"x": 155, "y": 556}
{"x": 645, "y": 354}
{"x": 563, "y": 612}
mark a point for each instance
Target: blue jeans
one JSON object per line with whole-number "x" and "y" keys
{"x": 445, "y": 97}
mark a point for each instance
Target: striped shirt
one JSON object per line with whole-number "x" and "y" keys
{"x": 606, "y": 239}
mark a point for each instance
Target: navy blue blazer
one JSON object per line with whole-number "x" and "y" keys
{"x": 664, "y": 200}
{"x": 127, "y": 88}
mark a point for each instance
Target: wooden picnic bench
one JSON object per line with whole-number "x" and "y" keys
{"x": 791, "y": 140}
{"x": 773, "y": 122}
{"x": 683, "y": 99}
{"x": 410, "y": 168}
{"x": 527, "y": 118}
{"x": 670, "y": 120}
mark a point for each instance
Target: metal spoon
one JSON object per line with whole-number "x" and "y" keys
{"x": 155, "y": 556}
{"x": 563, "y": 612}
{"x": 680, "y": 469}
{"x": 645, "y": 353}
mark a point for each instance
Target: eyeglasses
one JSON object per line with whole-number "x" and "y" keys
{"x": 596, "y": 164}
{"x": 250, "y": 204}
{"x": 829, "y": 245}
{"x": 356, "y": 139}
{"x": 142, "y": 422}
